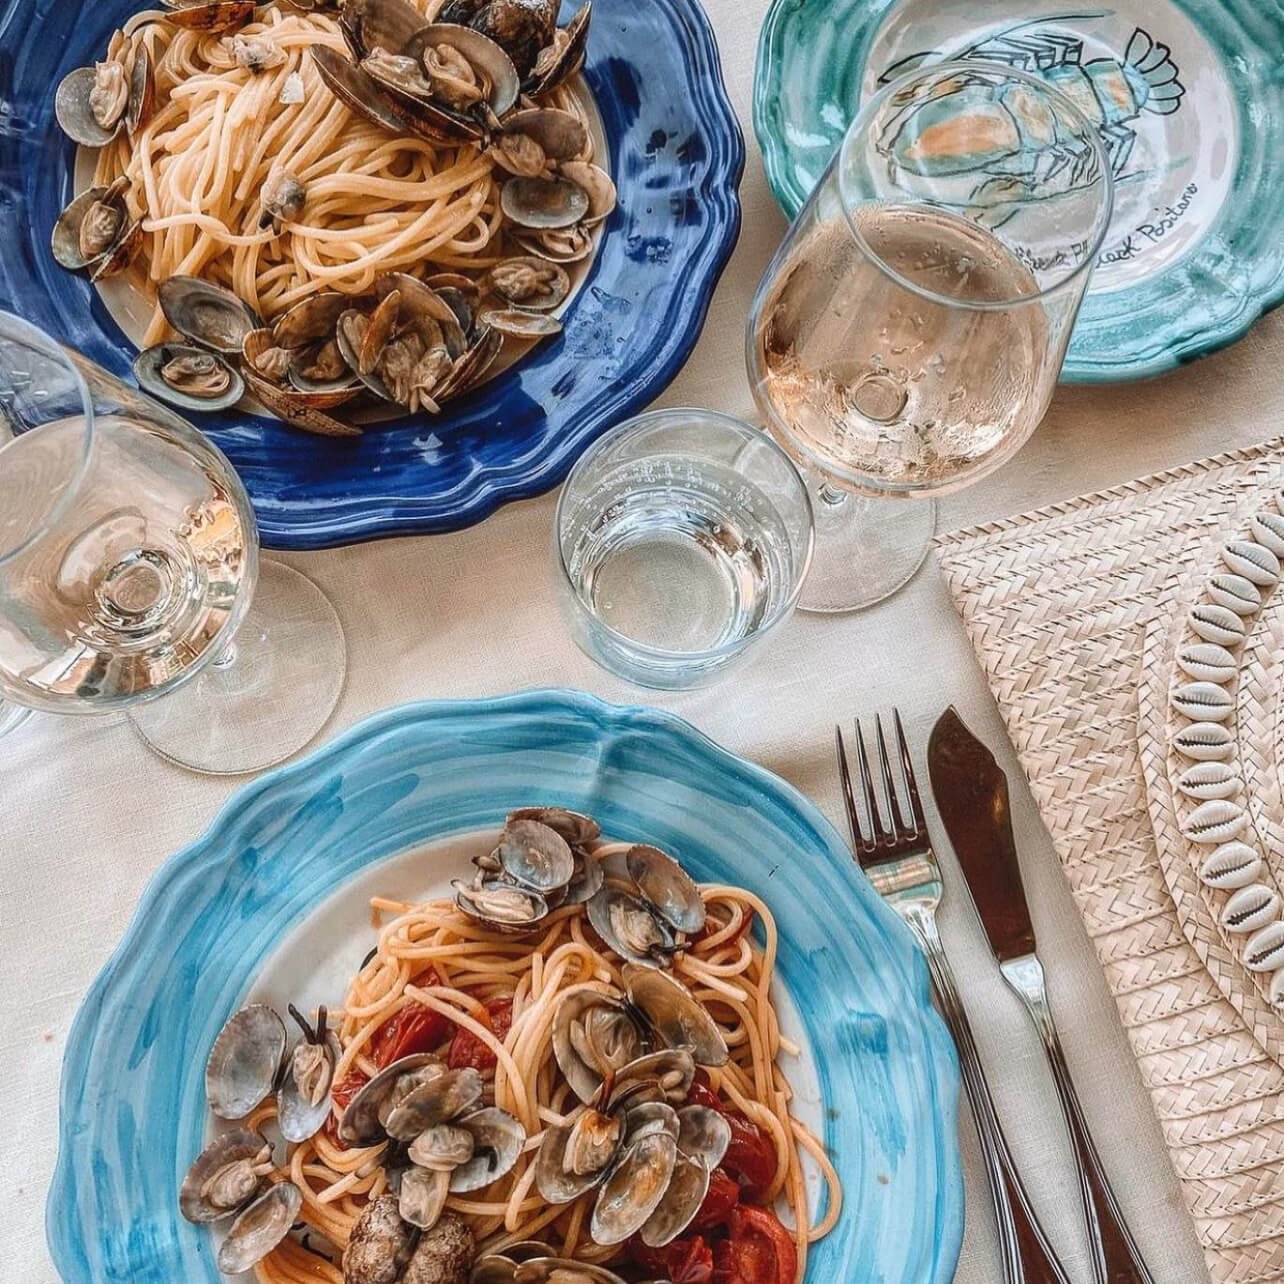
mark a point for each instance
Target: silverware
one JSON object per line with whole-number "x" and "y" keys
{"x": 897, "y": 858}
{"x": 972, "y": 795}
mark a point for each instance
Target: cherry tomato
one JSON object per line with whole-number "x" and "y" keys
{"x": 751, "y": 1157}
{"x": 759, "y": 1250}
{"x": 467, "y": 1049}
{"x": 688, "y": 1260}
{"x": 723, "y": 1196}
{"x": 413, "y": 1028}
{"x": 342, "y": 1093}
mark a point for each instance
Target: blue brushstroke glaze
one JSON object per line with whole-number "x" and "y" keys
{"x": 132, "y": 1108}
{"x": 652, "y": 68}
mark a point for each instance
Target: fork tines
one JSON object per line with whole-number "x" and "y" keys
{"x": 905, "y": 828}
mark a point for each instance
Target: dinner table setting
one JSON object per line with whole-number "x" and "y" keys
{"x": 640, "y": 642}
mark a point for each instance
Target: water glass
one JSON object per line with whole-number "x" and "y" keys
{"x": 683, "y": 538}
{"x": 907, "y": 338}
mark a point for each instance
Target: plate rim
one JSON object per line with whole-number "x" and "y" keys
{"x": 363, "y": 513}
{"x": 1179, "y": 349}
{"x": 940, "y": 1066}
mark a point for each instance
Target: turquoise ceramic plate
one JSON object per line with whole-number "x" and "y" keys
{"x": 1190, "y": 100}
{"x": 273, "y": 900}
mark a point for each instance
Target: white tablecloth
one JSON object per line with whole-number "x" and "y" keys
{"x": 87, "y": 814}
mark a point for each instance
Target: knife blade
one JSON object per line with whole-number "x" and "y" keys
{"x": 972, "y": 796}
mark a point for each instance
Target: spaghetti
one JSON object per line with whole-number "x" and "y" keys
{"x": 495, "y": 997}
{"x": 376, "y": 203}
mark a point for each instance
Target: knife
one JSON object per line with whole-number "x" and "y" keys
{"x": 972, "y": 796}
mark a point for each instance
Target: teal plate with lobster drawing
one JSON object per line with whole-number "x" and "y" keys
{"x": 1189, "y": 98}
{"x": 273, "y": 903}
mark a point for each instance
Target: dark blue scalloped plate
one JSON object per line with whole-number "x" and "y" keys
{"x": 278, "y": 888}
{"x": 676, "y": 155}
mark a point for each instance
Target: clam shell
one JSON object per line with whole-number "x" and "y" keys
{"x": 1217, "y": 624}
{"x": 1209, "y": 780}
{"x": 1232, "y": 865}
{"x": 1216, "y": 821}
{"x": 1203, "y": 702}
{"x": 1204, "y": 742}
{"x": 1253, "y": 561}
{"x": 1207, "y": 662}
{"x": 1235, "y": 593}
{"x": 1268, "y": 530}
{"x": 1251, "y": 908}
{"x": 243, "y": 1063}
{"x": 259, "y": 1228}
{"x": 1265, "y": 951}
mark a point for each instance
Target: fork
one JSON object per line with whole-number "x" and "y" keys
{"x": 898, "y": 860}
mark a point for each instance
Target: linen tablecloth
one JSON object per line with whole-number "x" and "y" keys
{"x": 87, "y": 813}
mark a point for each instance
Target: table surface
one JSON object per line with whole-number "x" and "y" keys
{"x": 87, "y": 814}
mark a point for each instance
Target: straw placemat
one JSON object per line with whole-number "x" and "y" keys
{"x": 1074, "y": 612}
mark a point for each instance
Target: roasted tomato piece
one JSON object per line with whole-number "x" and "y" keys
{"x": 466, "y": 1049}
{"x": 758, "y": 1250}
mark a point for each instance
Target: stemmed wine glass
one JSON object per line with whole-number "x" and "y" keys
{"x": 130, "y": 576}
{"x": 907, "y": 337}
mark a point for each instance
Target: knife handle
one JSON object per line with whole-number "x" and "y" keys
{"x": 1116, "y": 1258}
{"x": 1027, "y": 1256}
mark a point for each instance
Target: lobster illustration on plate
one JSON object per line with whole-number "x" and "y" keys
{"x": 1006, "y": 137}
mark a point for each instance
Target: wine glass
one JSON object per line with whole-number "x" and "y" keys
{"x": 130, "y": 577}
{"x": 908, "y": 335}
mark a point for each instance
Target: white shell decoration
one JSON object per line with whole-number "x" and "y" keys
{"x": 1217, "y": 624}
{"x": 1207, "y": 662}
{"x": 1231, "y": 865}
{"x": 1209, "y": 780}
{"x": 1235, "y": 593}
{"x": 1277, "y": 989}
{"x": 1265, "y": 951}
{"x": 1268, "y": 530}
{"x": 1204, "y": 702}
{"x": 1250, "y": 909}
{"x": 1204, "y": 742}
{"x": 1253, "y": 561}
{"x": 1214, "y": 822}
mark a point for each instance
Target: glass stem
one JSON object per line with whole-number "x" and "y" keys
{"x": 226, "y": 657}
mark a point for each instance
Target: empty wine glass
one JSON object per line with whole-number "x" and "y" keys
{"x": 909, "y": 333}
{"x": 130, "y": 576}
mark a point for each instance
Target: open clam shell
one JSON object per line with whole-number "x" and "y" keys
{"x": 541, "y": 204}
{"x": 500, "y": 905}
{"x": 244, "y": 1061}
{"x": 498, "y": 1140}
{"x": 379, "y": 24}
{"x": 209, "y": 15}
{"x": 535, "y": 856}
{"x": 594, "y": 1035}
{"x": 442, "y": 1097}
{"x": 667, "y": 887}
{"x": 207, "y": 314}
{"x": 360, "y": 1124}
{"x": 260, "y": 1228}
{"x": 224, "y": 1179}
{"x": 189, "y": 377}
{"x": 361, "y": 93}
{"x": 681, "y": 1201}
{"x": 561, "y": 135}
{"x": 597, "y": 184}
{"x": 535, "y": 285}
{"x": 96, "y": 233}
{"x": 521, "y": 324}
{"x": 676, "y": 1015}
{"x": 303, "y": 1099}
{"x": 576, "y": 1157}
{"x": 635, "y": 1188}
{"x": 556, "y": 245}
{"x": 562, "y": 57}
{"x": 658, "y": 1076}
{"x": 520, "y": 27}
{"x": 630, "y": 927}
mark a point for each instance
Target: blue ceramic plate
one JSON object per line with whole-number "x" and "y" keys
{"x": 676, "y": 155}
{"x": 292, "y": 859}
{"x": 1190, "y": 101}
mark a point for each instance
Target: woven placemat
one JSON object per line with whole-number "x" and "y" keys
{"x": 1070, "y": 609}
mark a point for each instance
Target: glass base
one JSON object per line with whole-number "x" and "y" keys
{"x": 268, "y": 696}
{"x": 866, "y": 548}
